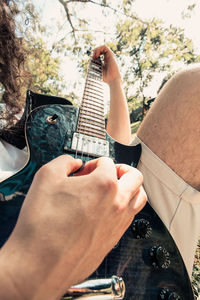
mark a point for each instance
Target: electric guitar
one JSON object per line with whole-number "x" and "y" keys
{"x": 145, "y": 264}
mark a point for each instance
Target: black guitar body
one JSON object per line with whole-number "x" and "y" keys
{"x": 146, "y": 257}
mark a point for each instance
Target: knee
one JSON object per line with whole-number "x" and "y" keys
{"x": 184, "y": 84}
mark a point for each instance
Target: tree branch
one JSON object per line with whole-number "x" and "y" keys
{"x": 109, "y": 7}
{"x": 64, "y": 3}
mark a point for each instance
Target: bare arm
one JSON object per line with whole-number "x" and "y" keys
{"x": 118, "y": 126}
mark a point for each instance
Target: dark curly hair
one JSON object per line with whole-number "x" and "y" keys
{"x": 12, "y": 59}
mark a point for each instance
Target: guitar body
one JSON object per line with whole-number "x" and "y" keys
{"x": 146, "y": 257}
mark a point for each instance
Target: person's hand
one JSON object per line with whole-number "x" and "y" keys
{"x": 110, "y": 67}
{"x": 68, "y": 224}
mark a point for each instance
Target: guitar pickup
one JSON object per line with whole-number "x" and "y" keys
{"x": 89, "y": 145}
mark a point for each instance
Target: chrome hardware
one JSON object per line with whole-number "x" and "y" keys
{"x": 113, "y": 288}
{"x": 51, "y": 119}
{"x": 90, "y": 145}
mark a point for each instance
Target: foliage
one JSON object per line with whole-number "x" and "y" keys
{"x": 148, "y": 49}
{"x": 43, "y": 59}
{"x": 44, "y": 68}
{"x": 196, "y": 272}
{"x": 144, "y": 48}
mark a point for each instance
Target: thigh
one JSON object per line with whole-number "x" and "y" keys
{"x": 171, "y": 129}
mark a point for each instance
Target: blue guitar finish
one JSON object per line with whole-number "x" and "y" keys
{"x": 45, "y": 142}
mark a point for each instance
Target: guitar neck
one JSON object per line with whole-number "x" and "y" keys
{"x": 91, "y": 117}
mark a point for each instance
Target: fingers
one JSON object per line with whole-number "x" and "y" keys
{"x": 102, "y": 166}
{"x": 138, "y": 201}
{"x": 62, "y": 165}
{"x": 102, "y": 50}
{"x": 130, "y": 179}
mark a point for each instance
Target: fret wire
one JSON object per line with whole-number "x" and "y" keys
{"x": 99, "y": 93}
{"x": 95, "y": 70}
{"x": 94, "y": 125}
{"x": 91, "y": 85}
{"x": 87, "y": 121}
{"x": 92, "y": 116}
{"x": 97, "y": 84}
{"x": 86, "y": 108}
{"x": 90, "y": 121}
{"x": 95, "y": 73}
{"x": 101, "y": 136}
{"x": 96, "y": 62}
{"x": 89, "y": 117}
{"x": 96, "y": 103}
{"x": 89, "y": 129}
{"x": 90, "y": 96}
{"x": 96, "y": 108}
{"x": 99, "y": 114}
{"x": 89, "y": 100}
{"x": 91, "y": 112}
{"x": 95, "y": 77}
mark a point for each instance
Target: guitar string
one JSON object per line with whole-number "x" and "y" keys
{"x": 81, "y": 123}
{"x": 88, "y": 85}
{"x": 84, "y": 107}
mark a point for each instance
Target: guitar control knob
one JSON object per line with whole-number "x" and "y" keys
{"x": 166, "y": 294}
{"x": 159, "y": 257}
{"x": 141, "y": 229}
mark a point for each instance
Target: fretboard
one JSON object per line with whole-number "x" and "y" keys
{"x": 91, "y": 117}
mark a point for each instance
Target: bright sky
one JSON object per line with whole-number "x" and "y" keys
{"x": 170, "y": 12}
{"x": 167, "y": 10}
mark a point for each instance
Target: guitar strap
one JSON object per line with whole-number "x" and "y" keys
{"x": 16, "y": 135}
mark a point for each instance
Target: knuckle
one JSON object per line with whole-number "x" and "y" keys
{"x": 107, "y": 184}
{"x": 45, "y": 171}
{"x": 139, "y": 176}
{"x": 119, "y": 207}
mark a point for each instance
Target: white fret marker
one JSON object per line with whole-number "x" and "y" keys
{"x": 90, "y": 145}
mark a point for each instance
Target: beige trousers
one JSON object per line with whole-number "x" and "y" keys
{"x": 176, "y": 202}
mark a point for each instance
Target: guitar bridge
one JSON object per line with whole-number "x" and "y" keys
{"x": 89, "y": 145}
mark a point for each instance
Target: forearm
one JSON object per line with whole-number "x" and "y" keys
{"x": 9, "y": 288}
{"x": 118, "y": 126}
{"x": 27, "y": 275}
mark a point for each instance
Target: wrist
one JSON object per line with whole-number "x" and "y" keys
{"x": 19, "y": 278}
{"x": 115, "y": 82}
{"x": 8, "y": 287}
